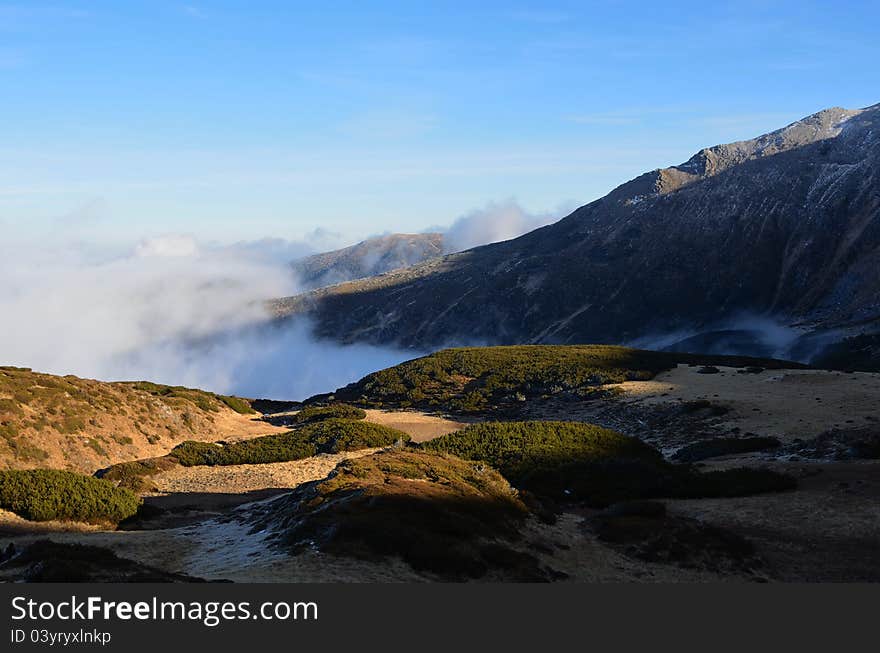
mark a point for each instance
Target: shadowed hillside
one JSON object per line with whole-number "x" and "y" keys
{"x": 786, "y": 225}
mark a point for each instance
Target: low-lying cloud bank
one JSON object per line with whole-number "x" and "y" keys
{"x": 171, "y": 310}
{"x": 176, "y": 310}
{"x": 495, "y": 222}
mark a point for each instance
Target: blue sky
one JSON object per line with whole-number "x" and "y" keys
{"x": 240, "y": 120}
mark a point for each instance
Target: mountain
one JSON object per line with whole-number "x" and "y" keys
{"x": 65, "y": 422}
{"x": 784, "y": 227}
{"x": 367, "y": 258}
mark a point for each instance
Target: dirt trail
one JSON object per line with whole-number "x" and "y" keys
{"x": 248, "y": 478}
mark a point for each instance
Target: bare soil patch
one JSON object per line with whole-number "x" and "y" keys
{"x": 420, "y": 426}
{"x": 785, "y": 404}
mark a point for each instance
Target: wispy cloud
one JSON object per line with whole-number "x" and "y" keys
{"x": 193, "y": 11}
{"x": 495, "y": 222}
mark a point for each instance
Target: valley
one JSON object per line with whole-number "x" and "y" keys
{"x": 700, "y": 469}
{"x": 738, "y": 441}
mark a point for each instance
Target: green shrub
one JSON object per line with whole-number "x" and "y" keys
{"x": 239, "y": 405}
{"x": 572, "y": 461}
{"x": 521, "y": 449}
{"x": 135, "y": 475}
{"x": 96, "y": 446}
{"x": 737, "y": 482}
{"x": 207, "y": 401}
{"x": 328, "y": 436}
{"x": 474, "y": 379}
{"x": 600, "y": 483}
{"x": 267, "y": 449}
{"x": 704, "y": 406}
{"x": 10, "y": 407}
{"x": 858, "y": 353}
{"x": 44, "y": 494}
{"x": 724, "y": 447}
{"x": 335, "y": 435}
{"x": 174, "y": 395}
{"x": 317, "y": 413}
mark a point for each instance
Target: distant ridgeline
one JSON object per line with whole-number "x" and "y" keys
{"x": 785, "y": 226}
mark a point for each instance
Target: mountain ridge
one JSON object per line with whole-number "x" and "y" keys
{"x": 685, "y": 248}
{"x": 367, "y": 258}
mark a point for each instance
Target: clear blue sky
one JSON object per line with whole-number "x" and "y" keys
{"x": 248, "y": 119}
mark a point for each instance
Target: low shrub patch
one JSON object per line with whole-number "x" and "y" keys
{"x": 724, "y": 447}
{"x": 327, "y": 436}
{"x": 318, "y": 413}
{"x": 704, "y": 406}
{"x": 572, "y": 461}
{"x": 207, "y": 401}
{"x": 522, "y": 449}
{"x": 135, "y": 475}
{"x": 44, "y": 494}
{"x": 335, "y": 435}
{"x": 239, "y": 405}
{"x": 475, "y": 379}
{"x": 267, "y": 449}
{"x": 738, "y": 482}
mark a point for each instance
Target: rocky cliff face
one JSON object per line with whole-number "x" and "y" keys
{"x": 785, "y": 226}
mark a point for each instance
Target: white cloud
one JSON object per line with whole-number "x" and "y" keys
{"x": 495, "y": 222}
{"x": 175, "y": 311}
{"x": 167, "y": 246}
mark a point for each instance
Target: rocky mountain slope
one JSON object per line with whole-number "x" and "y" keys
{"x": 49, "y": 421}
{"x": 785, "y": 226}
{"x": 367, "y": 258}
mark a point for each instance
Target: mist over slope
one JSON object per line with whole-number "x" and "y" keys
{"x": 367, "y": 258}
{"x": 178, "y": 310}
{"x": 492, "y": 223}
{"x": 784, "y": 227}
{"x": 170, "y": 310}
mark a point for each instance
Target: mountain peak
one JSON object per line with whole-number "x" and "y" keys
{"x": 710, "y": 161}
{"x": 785, "y": 226}
{"x": 367, "y": 258}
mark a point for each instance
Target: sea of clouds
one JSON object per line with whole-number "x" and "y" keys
{"x": 180, "y": 310}
{"x": 171, "y": 310}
